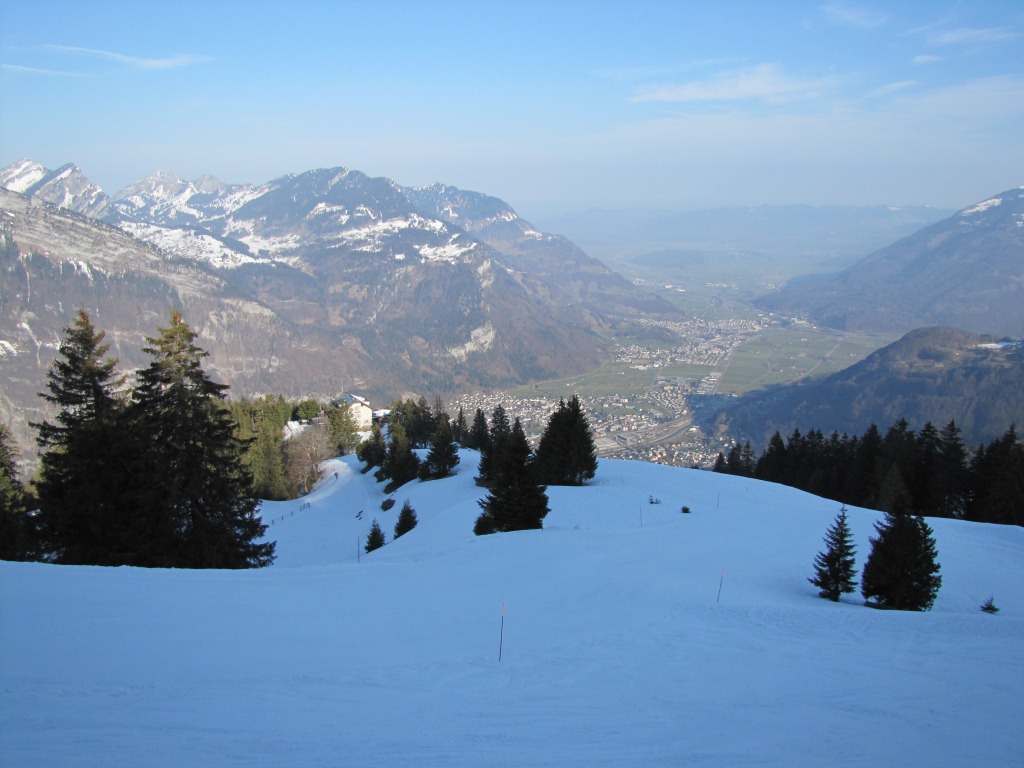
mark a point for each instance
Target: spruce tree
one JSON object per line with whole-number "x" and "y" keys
{"x": 401, "y": 464}
{"x": 902, "y": 572}
{"x": 17, "y": 529}
{"x": 566, "y": 454}
{"x": 443, "y": 456}
{"x": 406, "y": 520}
{"x": 834, "y": 568}
{"x": 199, "y": 482}
{"x": 375, "y": 539}
{"x": 492, "y": 451}
{"x": 478, "y": 434}
{"x": 373, "y": 450}
{"x": 515, "y": 501}
{"x": 88, "y": 489}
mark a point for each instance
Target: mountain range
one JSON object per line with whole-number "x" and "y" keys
{"x": 966, "y": 271}
{"x": 931, "y": 374}
{"x": 310, "y": 284}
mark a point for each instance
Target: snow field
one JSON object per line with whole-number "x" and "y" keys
{"x": 615, "y": 650}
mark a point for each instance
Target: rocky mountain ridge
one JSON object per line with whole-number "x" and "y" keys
{"x": 966, "y": 271}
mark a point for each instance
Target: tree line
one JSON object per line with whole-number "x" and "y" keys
{"x": 516, "y": 477}
{"x": 151, "y": 474}
{"x": 930, "y": 469}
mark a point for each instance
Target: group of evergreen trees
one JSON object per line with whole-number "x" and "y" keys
{"x": 901, "y": 571}
{"x": 147, "y": 476}
{"x": 516, "y": 479}
{"x": 931, "y": 468}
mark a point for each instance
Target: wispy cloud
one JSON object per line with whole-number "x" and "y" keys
{"x": 166, "y": 62}
{"x": 926, "y": 58}
{"x": 763, "y": 82}
{"x": 842, "y": 14}
{"x": 970, "y": 35}
{"x": 18, "y": 69}
{"x": 885, "y": 90}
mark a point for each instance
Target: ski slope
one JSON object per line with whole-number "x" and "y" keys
{"x": 633, "y": 635}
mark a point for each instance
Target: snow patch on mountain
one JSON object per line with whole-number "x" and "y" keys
{"x": 982, "y": 206}
{"x": 191, "y": 245}
{"x": 21, "y": 175}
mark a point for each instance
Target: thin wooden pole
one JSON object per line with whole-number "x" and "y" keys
{"x": 501, "y": 635}
{"x": 720, "y": 586}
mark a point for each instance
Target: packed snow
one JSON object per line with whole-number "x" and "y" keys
{"x": 629, "y": 633}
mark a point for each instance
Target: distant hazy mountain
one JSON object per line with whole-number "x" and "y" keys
{"x": 965, "y": 271}
{"x": 787, "y": 240}
{"x": 309, "y": 284}
{"x": 931, "y": 374}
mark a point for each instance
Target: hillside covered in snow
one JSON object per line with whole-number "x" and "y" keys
{"x": 630, "y": 634}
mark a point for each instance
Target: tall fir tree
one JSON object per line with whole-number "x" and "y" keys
{"x": 88, "y": 488}
{"x": 478, "y": 434}
{"x": 566, "y": 454}
{"x": 373, "y": 450}
{"x": 834, "y": 569}
{"x": 902, "y": 570}
{"x": 515, "y": 500}
{"x": 492, "y": 452}
{"x": 199, "y": 480}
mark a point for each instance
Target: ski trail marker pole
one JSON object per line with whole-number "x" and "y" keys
{"x": 501, "y": 636}
{"x": 720, "y": 586}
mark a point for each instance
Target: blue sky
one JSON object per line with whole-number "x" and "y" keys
{"x": 553, "y": 106}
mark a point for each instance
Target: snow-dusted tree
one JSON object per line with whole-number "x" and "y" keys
{"x": 834, "y": 568}
{"x": 901, "y": 571}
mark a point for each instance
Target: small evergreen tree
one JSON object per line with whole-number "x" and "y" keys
{"x": 406, "y": 519}
{"x": 492, "y": 451}
{"x": 834, "y": 568}
{"x": 443, "y": 456}
{"x": 401, "y": 464}
{"x": 373, "y": 450}
{"x": 375, "y": 539}
{"x": 902, "y": 572}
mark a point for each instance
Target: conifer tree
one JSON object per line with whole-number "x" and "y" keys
{"x": 834, "y": 568}
{"x": 401, "y": 464}
{"x": 374, "y": 450}
{"x": 566, "y": 453}
{"x": 478, "y": 434}
{"x": 17, "y": 528}
{"x": 515, "y": 501}
{"x": 443, "y": 456}
{"x": 492, "y": 451}
{"x": 902, "y": 572}
{"x": 406, "y": 520}
{"x": 199, "y": 482}
{"x": 86, "y": 487}
{"x": 375, "y": 539}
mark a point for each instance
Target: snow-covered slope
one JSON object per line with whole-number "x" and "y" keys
{"x": 616, "y": 649}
